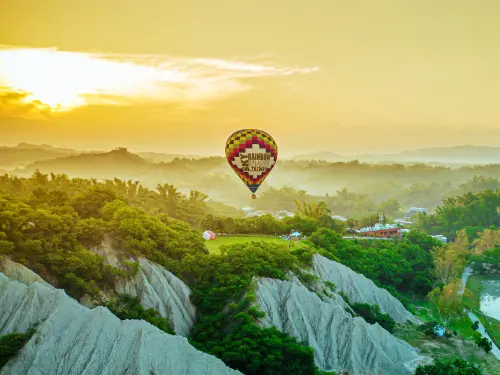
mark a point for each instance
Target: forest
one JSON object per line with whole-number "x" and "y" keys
{"x": 51, "y": 223}
{"x": 350, "y": 188}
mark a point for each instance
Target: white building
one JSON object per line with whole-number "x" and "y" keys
{"x": 338, "y": 217}
{"x": 441, "y": 238}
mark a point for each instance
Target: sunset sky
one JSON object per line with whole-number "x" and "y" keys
{"x": 180, "y": 76}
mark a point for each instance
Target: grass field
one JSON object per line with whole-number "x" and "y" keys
{"x": 214, "y": 245}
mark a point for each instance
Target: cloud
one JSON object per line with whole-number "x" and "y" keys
{"x": 56, "y": 81}
{"x": 15, "y": 104}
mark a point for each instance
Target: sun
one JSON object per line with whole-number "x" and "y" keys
{"x": 67, "y": 80}
{"x": 47, "y": 77}
{"x": 60, "y": 81}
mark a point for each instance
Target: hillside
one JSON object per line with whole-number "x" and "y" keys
{"x": 24, "y": 154}
{"x": 127, "y": 268}
{"x": 118, "y": 163}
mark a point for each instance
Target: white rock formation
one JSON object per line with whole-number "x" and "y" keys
{"x": 360, "y": 289}
{"x": 156, "y": 288}
{"x": 73, "y": 340}
{"x": 340, "y": 342}
{"x": 18, "y": 272}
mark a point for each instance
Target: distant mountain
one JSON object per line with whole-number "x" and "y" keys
{"x": 24, "y": 153}
{"x": 467, "y": 154}
{"x": 323, "y": 156}
{"x": 159, "y": 157}
{"x": 118, "y": 163}
{"x": 28, "y": 146}
{"x": 467, "y": 151}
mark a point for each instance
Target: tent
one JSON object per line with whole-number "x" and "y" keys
{"x": 295, "y": 234}
{"x": 209, "y": 235}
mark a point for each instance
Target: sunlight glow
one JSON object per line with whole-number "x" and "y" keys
{"x": 57, "y": 81}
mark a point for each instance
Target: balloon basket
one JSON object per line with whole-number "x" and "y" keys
{"x": 254, "y": 196}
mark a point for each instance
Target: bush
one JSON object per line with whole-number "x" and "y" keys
{"x": 428, "y": 328}
{"x": 458, "y": 367}
{"x": 128, "y": 307}
{"x": 475, "y": 325}
{"x": 11, "y": 344}
{"x": 372, "y": 314}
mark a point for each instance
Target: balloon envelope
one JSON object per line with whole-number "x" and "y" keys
{"x": 208, "y": 235}
{"x": 252, "y": 154}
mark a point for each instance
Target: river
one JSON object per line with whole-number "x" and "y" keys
{"x": 490, "y": 298}
{"x": 492, "y": 302}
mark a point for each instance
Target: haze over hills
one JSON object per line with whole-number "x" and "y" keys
{"x": 456, "y": 155}
{"x": 420, "y": 185}
{"x": 21, "y": 155}
{"x": 24, "y": 153}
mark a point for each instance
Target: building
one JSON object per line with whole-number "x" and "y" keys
{"x": 338, "y": 217}
{"x": 403, "y": 222}
{"x": 441, "y": 238}
{"x": 416, "y": 210}
{"x": 381, "y": 230}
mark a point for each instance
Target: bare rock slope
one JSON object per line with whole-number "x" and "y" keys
{"x": 360, "y": 289}
{"x": 18, "y": 272}
{"x": 156, "y": 288}
{"x": 340, "y": 342}
{"x": 71, "y": 339}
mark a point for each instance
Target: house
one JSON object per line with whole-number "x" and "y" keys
{"x": 381, "y": 230}
{"x": 338, "y": 217}
{"x": 441, "y": 238}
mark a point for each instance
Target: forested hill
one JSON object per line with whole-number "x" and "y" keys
{"x": 58, "y": 227}
{"x": 369, "y": 185}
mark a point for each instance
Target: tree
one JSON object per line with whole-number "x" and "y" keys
{"x": 488, "y": 239}
{"x": 475, "y": 325}
{"x": 390, "y": 207}
{"x": 449, "y": 262}
{"x": 326, "y": 221}
{"x": 448, "y": 301}
{"x": 91, "y": 201}
{"x": 457, "y": 367}
{"x": 486, "y": 344}
{"x": 171, "y": 199}
{"x": 311, "y": 209}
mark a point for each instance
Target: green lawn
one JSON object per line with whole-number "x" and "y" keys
{"x": 214, "y": 245}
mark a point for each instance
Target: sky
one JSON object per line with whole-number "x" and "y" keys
{"x": 318, "y": 75}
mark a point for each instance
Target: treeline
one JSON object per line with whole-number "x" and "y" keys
{"x": 368, "y": 185}
{"x": 472, "y": 212}
{"x": 269, "y": 225}
{"x": 389, "y": 197}
{"x": 404, "y": 267}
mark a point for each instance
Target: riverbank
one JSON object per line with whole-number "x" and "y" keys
{"x": 488, "y": 326}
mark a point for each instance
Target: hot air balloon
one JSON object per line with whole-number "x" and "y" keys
{"x": 252, "y": 154}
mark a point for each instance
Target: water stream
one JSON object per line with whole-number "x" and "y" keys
{"x": 492, "y": 302}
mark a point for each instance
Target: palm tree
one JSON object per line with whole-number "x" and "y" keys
{"x": 171, "y": 198}
{"x": 312, "y": 209}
